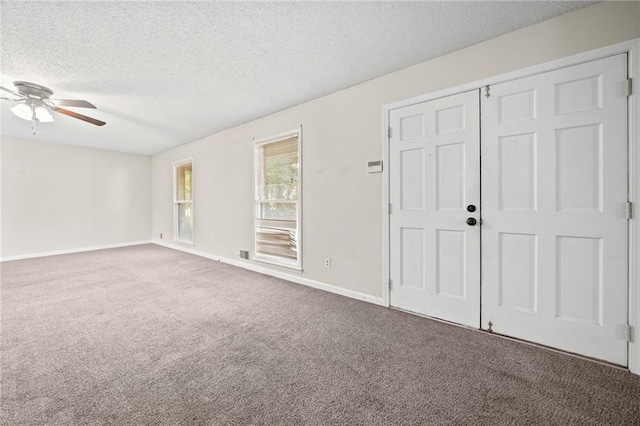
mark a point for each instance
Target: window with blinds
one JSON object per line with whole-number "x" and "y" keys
{"x": 183, "y": 201}
{"x": 277, "y": 200}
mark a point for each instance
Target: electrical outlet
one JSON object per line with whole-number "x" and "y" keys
{"x": 124, "y": 232}
{"x": 244, "y": 254}
{"x": 327, "y": 262}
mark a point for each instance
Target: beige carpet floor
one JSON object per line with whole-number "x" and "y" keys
{"x": 148, "y": 335}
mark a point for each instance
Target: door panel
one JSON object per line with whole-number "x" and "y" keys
{"x": 554, "y": 191}
{"x": 434, "y": 175}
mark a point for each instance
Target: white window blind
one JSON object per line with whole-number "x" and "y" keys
{"x": 183, "y": 201}
{"x": 277, "y": 201}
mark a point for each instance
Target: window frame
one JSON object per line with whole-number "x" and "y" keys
{"x": 176, "y": 202}
{"x": 275, "y": 260}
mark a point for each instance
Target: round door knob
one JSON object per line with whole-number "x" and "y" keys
{"x": 471, "y": 221}
{"x": 471, "y": 208}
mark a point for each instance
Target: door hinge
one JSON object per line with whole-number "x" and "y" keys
{"x": 390, "y": 208}
{"x": 629, "y": 333}
{"x": 629, "y": 86}
{"x": 629, "y": 210}
{"x": 486, "y": 91}
{"x": 389, "y": 132}
{"x": 390, "y": 284}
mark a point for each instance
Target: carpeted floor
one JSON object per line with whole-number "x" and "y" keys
{"x": 148, "y": 335}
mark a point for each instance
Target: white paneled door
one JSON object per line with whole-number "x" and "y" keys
{"x": 434, "y": 181}
{"x": 554, "y": 196}
{"x": 553, "y": 214}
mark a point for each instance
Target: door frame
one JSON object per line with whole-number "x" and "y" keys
{"x": 632, "y": 48}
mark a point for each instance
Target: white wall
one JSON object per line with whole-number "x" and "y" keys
{"x": 342, "y": 204}
{"x": 60, "y": 197}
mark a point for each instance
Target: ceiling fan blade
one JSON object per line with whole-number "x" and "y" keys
{"x": 72, "y": 103}
{"x": 78, "y": 116}
{"x": 12, "y": 92}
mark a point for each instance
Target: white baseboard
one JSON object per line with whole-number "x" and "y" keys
{"x": 279, "y": 274}
{"x": 69, "y": 251}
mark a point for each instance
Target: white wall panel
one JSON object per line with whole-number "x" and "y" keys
{"x": 62, "y": 197}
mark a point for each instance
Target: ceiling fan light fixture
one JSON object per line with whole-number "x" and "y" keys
{"x": 42, "y": 115}
{"x": 26, "y": 112}
{"x": 36, "y": 105}
{"x": 23, "y": 111}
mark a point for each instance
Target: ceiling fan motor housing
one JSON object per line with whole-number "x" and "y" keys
{"x": 33, "y": 90}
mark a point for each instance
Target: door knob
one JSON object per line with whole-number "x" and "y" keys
{"x": 471, "y": 208}
{"x": 471, "y": 221}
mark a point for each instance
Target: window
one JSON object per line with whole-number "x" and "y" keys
{"x": 183, "y": 200}
{"x": 277, "y": 200}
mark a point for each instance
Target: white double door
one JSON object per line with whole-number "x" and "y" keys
{"x": 543, "y": 254}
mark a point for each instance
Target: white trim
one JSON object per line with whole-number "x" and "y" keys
{"x": 71, "y": 251}
{"x": 280, "y": 136}
{"x": 632, "y": 48}
{"x": 295, "y": 132}
{"x": 634, "y": 196}
{"x": 280, "y": 274}
{"x": 275, "y": 261}
{"x": 386, "y": 252}
{"x": 175, "y": 166}
{"x": 592, "y": 55}
{"x": 183, "y": 161}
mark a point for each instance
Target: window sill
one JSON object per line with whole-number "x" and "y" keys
{"x": 184, "y": 243}
{"x": 273, "y": 262}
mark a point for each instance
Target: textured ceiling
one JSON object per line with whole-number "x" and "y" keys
{"x": 166, "y": 73}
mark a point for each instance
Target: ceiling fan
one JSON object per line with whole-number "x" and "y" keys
{"x": 35, "y": 104}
